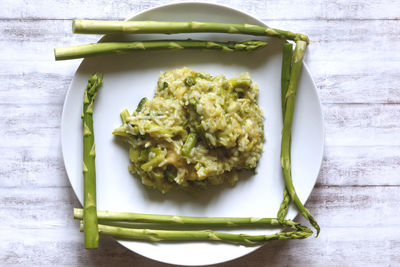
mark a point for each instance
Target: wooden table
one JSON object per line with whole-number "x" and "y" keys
{"x": 354, "y": 58}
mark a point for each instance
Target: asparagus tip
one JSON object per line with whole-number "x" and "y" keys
{"x": 318, "y": 230}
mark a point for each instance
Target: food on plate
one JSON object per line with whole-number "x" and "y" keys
{"x": 196, "y": 130}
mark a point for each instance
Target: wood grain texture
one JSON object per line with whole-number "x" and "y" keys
{"x": 274, "y": 9}
{"x": 354, "y": 58}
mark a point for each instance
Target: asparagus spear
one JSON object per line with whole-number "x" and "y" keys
{"x": 287, "y": 127}
{"x": 124, "y": 115}
{"x": 89, "y": 170}
{"x": 141, "y": 104}
{"x": 284, "y": 207}
{"x": 189, "y": 144}
{"x": 190, "y": 221}
{"x": 192, "y": 235}
{"x": 96, "y": 49}
{"x": 287, "y": 53}
{"x": 168, "y": 27}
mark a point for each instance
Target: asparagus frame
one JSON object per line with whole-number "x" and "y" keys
{"x": 290, "y": 77}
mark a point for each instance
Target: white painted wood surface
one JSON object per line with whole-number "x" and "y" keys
{"x": 354, "y": 58}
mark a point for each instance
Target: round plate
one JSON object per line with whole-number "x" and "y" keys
{"x": 128, "y": 78}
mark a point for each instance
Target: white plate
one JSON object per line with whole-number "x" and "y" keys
{"x": 129, "y": 78}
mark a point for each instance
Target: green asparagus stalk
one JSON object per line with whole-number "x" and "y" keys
{"x": 287, "y": 54}
{"x": 190, "y": 221}
{"x": 89, "y": 170}
{"x": 167, "y": 27}
{"x": 287, "y": 127}
{"x": 284, "y": 207}
{"x": 119, "y": 48}
{"x": 193, "y": 235}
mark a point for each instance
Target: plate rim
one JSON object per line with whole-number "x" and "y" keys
{"x": 132, "y": 16}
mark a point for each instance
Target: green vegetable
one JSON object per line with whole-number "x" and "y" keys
{"x": 192, "y": 221}
{"x": 124, "y": 115}
{"x": 287, "y": 128}
{"x": 165, "y": 86}
{"x": 190, "y": 81}
{"x": 119, "y": 48}
{"x": 167, "y": 27}
{"x": 239, "y": 83}
{"x": 121, "y": 131}
{"x": 89, "y": 169}
{"x": 199, "y": 235}
{"x": 189, "y": 144}
{"x": 134, "y": 154}
{"x": 154, "y": 130}
{"x": 143, "y": 155}
{"x": 284, "y": 207}
{"x": 204, "y": 76}
{"x": 141, "y": 104}
{"x": 287, "y": 54}
{"x": 155, "y": 161}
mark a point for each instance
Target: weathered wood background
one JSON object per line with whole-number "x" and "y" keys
{"x": 354, "y": 58}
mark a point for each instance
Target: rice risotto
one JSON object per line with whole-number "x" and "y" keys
{"x": 197, "y": 130}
